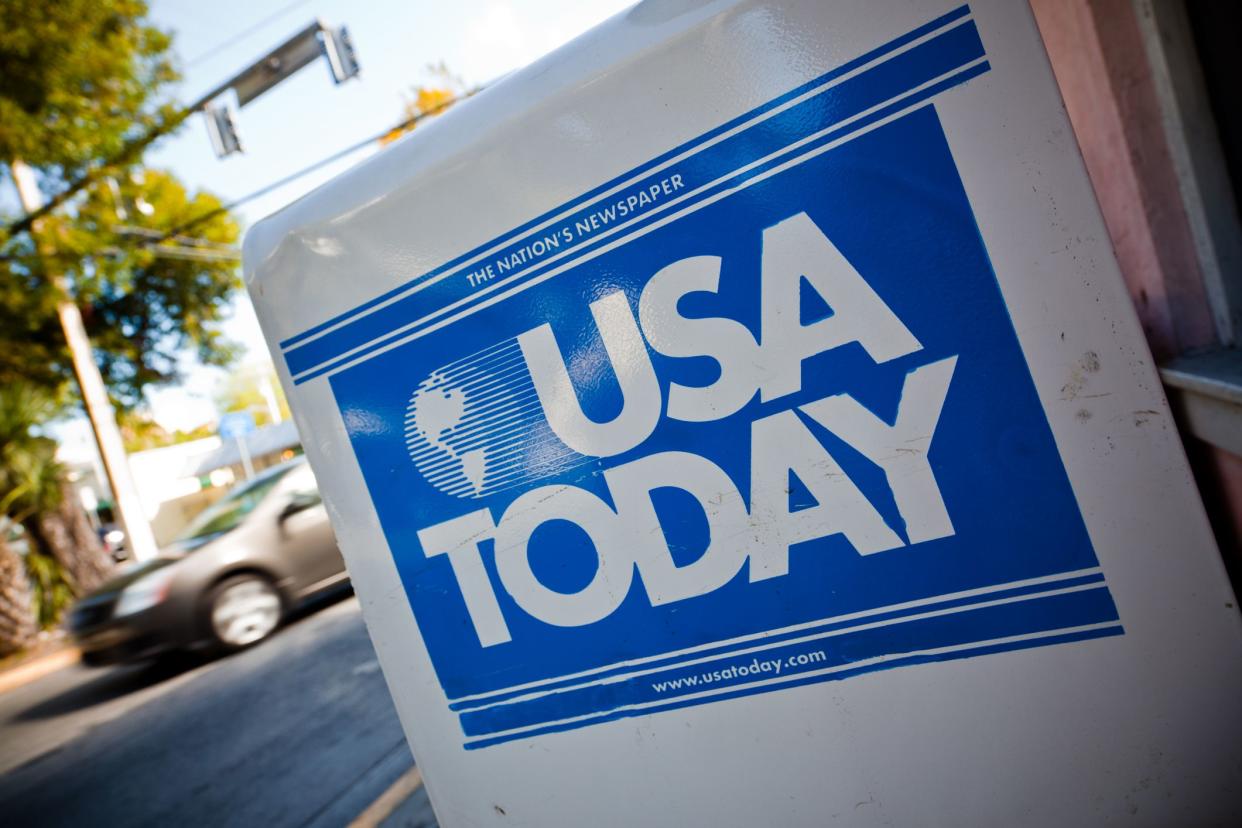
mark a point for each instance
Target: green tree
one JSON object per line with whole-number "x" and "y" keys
{"x": 83, "y": 87}
{"x": 254, "y": 388}
{"x": 79, "y": 79}
{"x": 140, "y": 433}
{"x": 64, "y": 554}
{"x": 80, "y": 82}
{"x": 17, "y": 613}
{"x": 144, "y": 306}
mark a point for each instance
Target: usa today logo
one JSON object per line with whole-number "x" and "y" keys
{"x": 510, "y": 415}
{"x": 788, "y": 419}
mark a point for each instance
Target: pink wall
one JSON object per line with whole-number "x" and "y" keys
{"x": 1098, "y": 55}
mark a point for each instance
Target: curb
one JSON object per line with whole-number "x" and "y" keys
{"x": 379, "y": 810}
{"x": 37, "y": 668}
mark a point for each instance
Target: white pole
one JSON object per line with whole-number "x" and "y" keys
{"x": 267, "y": 389}
{"x": 139, "y": 539}
{"x": 247, "y": 466}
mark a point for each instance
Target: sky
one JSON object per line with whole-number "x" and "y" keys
{"x": 307, "y": 117}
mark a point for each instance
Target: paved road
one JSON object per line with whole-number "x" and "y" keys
{"x": 300, "y": 731}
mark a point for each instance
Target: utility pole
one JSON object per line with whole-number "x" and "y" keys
{"x": 99, "y": 410}
{"x": 314, "y": 41}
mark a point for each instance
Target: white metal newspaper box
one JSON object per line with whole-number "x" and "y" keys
{"x": 737, "y": 418}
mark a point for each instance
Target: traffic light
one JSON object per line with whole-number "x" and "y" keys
{"x": 338, "y": 48}
{"x": 298, "y": 51}
{"x": 222, "y": 128}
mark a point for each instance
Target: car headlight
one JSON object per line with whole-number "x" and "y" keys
{"x": 144, "y": 593}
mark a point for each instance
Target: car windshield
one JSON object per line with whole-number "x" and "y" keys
{"x": 227, "y": 514}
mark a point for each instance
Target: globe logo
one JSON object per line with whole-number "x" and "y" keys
{"x": 475, "y": 426}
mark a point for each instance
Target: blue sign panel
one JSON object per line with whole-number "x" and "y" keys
{"x": 750, "y": 417}
{"x": 235, "y": 424}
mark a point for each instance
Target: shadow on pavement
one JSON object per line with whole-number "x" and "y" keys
{"x": 112, "y": 683}
{"x": 115, "y": 682}
{"x": 320, "y": 602}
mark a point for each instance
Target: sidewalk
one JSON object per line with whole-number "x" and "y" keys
{"x": 53, "y": 652}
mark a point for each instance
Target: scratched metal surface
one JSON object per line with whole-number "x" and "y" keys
{"x": 1141, "y": 727}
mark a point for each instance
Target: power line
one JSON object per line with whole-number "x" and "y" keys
{"x": 131, "y": 150}
{"x": 134, "y": 148}
{"x": 197, "y": 254}
{"x": 182, "y": 247}
{"x": 155, "y": 240}
{"x": 323, "y": 162}
{"x": 158, "y": 235}
{"x": 242, "y": 35}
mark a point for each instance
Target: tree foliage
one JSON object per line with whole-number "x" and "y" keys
{"x": 83, "y": 86}
{"x": 434, "y": 97}
{"x": 64, "y": 557}
{"x": 139, "y": 432}
{"x": 77, "y": 79}
{"x": 18, "y": 623}
{"x": 143, "y": 309}
{"x": 249, "y": 389}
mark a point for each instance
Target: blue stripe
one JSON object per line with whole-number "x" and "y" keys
{"x": 892, "y": 45}
{"x": 971, "y": 652}
{"x": 932, "y": 59}
{"x": 987, "y": 623}
{"x": 731, "y": 183}
{"x": 673, "y": 661}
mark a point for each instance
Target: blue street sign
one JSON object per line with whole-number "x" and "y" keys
{"x": 235, "y": 424}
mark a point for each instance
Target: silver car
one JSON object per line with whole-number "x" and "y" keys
{"x": 226, "y": 582}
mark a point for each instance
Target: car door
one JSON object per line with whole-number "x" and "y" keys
{"x": 304, "y": 534}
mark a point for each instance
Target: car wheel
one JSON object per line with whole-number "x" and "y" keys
{"x": 242, "y": 611}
